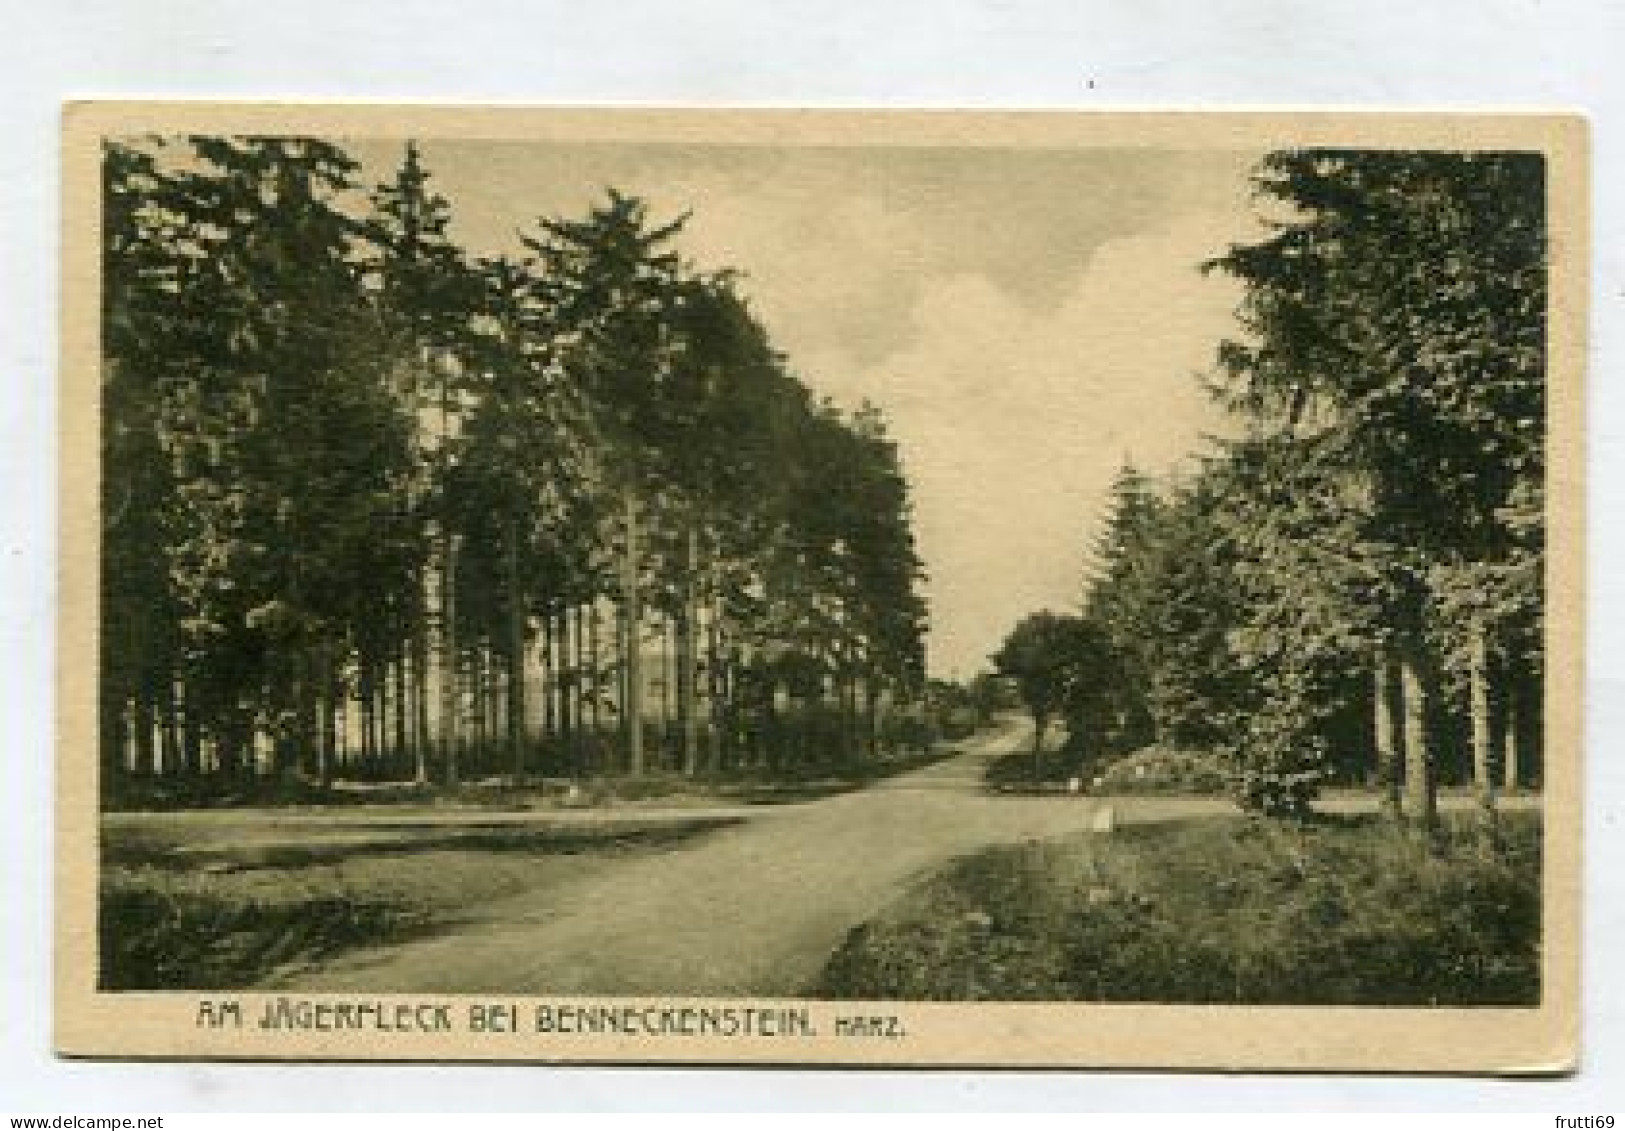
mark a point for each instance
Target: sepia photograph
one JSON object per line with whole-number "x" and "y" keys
{"x": 845, "y": 588}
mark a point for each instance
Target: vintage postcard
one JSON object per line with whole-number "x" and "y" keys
{"x": 1078, "y": 590}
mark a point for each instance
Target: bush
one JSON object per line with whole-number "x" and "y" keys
{"x": 1157, "y": 769}
{"x": 156, "y": 934}
{"x": 955, "y": 723}
{"x": 1283, "y": 758}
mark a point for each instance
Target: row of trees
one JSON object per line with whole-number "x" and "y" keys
{"x": 1352, "y": 584}
{"x": 375, "y": 506}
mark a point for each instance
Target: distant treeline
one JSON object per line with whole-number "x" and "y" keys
{"x": 1351, "y": 586}
{"x": 375, "y": 507}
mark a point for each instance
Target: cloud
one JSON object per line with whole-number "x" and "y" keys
{"x": 826, "y": 269}
{"x": 1013, "y": 421}
{"x": 1028, "y": 319}
{"x": 838, "y": 242}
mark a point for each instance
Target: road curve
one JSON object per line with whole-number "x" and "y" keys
{"x": 751, "y": 909}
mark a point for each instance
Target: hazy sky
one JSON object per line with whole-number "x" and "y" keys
{"x": 1028, "y": 319}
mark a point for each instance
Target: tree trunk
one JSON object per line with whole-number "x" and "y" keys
{"x": 516, "y": 658}
{"x": 369, "y": 751}
{"x": 1390, "y": 739}
{"x": 549, "y": 665}
{"x": 474, "y": 750}
{"x": 341, "y": 728}
{"x": 1478, "y": 695}
{"x": 632, "y": 611}
{"x": 370, "y": 721}
{"x": 420, "y": 683}
{"x": 484, "y": 694}
{"x": 380, "y": 696}
{"x": 664, "y": 659}
{"x": 578, "y": 686}
{"x": 714, "y": 689}
{"x": 146, "y": 754}
{"x": 327, "y": 740}
{"x": 324, "y": 713}
{"x": 229, "y": 747}
{"x": 595, "y": 688}
{"x": 871, "y": 716}
{"x": 567, "y": 717}
{"x": 449, "y": 705}
{"x": 854, "y": 717}
{"x": 497, "y": 664}
{"x": 386, "y": 718}
{"x": 170, "y": 734}
{"x": 1040, "y": 724}
{"x": 772, "y": 738}
{"x": 1509, "y": 733}
{"x": 114, "y": 735}
{"x": 688, "y": 716}
{"x": 1420, "y": 790}
{"x": 308, "y": 717}
{"x": 403, "y": 734}
{"x": 623, "y": 694}
{"x": 191, "y": 734}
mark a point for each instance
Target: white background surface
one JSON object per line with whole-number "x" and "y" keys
{"x": 1556, "y": 54}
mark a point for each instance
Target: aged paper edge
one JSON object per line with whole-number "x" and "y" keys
{"x": 1542, "y": 1040}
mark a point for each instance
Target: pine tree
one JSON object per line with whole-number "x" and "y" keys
{"x": 1397, "y": 326}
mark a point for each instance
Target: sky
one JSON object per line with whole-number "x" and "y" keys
{"x": 1027, "y": 319}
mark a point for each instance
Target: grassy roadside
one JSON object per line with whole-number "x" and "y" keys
{"x": 228, "y": 926}
{"x": 1218, "y": 911}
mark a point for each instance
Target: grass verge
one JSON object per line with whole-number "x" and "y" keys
{"x": 661, "y": 788}
{"x": 1249, "y": 911}
{"x": 228, "y": 926}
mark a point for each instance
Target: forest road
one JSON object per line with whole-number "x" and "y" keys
{"x": 756, "y": 908}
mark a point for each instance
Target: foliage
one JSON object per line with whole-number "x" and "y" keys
{"x": 334, "y": 439}
{"x": 1376, "y": 503}
{"x": 1063, "y": 761}
{"x": 1055, "y": 662}
{"x": 1203, "y": 912}
{"x": 152, "y": 939}
{"x": 1394, "y": 383}
{"x": 1157, "y": 769}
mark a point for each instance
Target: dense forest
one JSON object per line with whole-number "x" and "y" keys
{"x": 375, "y": 508}
{"x": 1348, "y": 585}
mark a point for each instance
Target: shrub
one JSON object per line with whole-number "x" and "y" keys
{"x": 1282, "y": 758}
{"x": 159, "y": 934}
{"x": 1157, "y": 769}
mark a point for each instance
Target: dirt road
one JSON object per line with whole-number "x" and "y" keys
{"x": 754, "y": 908}
{"x": 751, "y": 909}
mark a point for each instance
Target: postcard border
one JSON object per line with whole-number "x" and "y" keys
{"x": 1542, "y": 1040}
